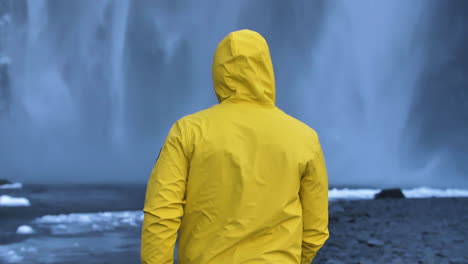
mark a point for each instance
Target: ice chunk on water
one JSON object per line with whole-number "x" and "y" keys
{"x": 15, "y": 185}
{"x": 25, "y": 230}
{"x": 9, "y": 201}
{"x": 87, "y": 222}
{"x": 109, "y": 217}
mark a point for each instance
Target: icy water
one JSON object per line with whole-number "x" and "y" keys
{"x": 72, "y": 224}
{"x": 98, "y": 223}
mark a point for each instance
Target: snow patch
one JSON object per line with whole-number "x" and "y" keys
{"x": 9, "y": 201}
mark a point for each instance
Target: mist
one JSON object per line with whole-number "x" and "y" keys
{"x": 89, "y": 89}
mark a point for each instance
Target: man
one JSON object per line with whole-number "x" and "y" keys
{"x": 244, "y": 182}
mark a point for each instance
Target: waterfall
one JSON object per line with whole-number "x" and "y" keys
{"x": 89, "y": 89}
{"x": 363, "y": 79}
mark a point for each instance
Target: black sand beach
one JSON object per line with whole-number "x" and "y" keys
{"x": 419, "y": 231}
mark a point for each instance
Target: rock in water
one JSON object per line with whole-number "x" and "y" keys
{"x": 2, "y": 182}
{"x": 390, "y": 193}
{"x": 375, "y": 243}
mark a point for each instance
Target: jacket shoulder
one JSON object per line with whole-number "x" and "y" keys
{"x": 194, "y": 123}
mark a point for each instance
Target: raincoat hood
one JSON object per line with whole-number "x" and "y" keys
{"x": 242, "y": 69}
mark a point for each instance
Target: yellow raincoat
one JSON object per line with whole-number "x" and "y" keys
{"x": 244, "y": 182}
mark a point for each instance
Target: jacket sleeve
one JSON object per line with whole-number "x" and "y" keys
{"x": 314, "y": 198}
{"x": 165, "y": 200}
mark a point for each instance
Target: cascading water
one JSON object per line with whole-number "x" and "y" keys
{"x": 366, "y": 70}
{"x": 89, "y": 89}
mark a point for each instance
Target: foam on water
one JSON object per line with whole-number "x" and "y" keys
{"x": 12, "y": 256}
{"x": 10, "y": 201}
{"x": 421, "y": 192}
{"x": 351, "y": 194}
{"x": 119, "y": 247}
{"x": 89, "y": 222}
{"x": 15, "y": 185}
{"x": 425, "y": 192}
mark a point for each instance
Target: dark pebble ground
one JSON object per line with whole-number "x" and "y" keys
{"x": 397, "y": 231}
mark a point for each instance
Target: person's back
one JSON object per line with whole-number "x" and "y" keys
{"x": 248, "y": 180}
